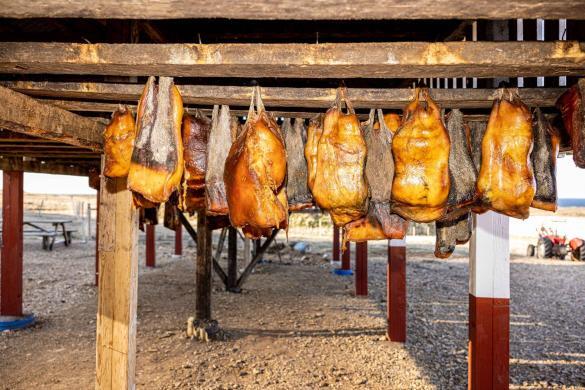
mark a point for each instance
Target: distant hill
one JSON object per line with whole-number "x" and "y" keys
{"x": 571, "y": 202}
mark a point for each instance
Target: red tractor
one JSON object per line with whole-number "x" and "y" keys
{"x": 551, "y": 245}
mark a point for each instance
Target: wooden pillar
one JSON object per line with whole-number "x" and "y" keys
{"x": 11, "y": 260}
{"x": 346, "y": 257}
{"x": 335, "y": 243}
{"x": 203, "y": 269}
{"x": 232, "y": 270}
{"x": 396, "y": 290}
{"x": 361, "y": 269}
{"x": 150, "y": 246}
{"x": 179, "y": 240}
{"x": 97, "y": 239}
{"x": 489, "y": 302}
{"x": 117, "y": 299}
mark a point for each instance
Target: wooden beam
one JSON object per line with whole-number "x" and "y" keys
{"x": 11, "y": 258}
{"x": 295, "y": 9}
{"x": 39, "y": 167}
{"x": 257, "y": 257}
{"x": 117, "y": 299}
{"x": 361, "y": 269}
{"x": 272, "y": 96}
{"x": 150, "y": 246}
{"x": 327, "y": 60}
{"x": 23, "y": 114}
{"x": 232, "y": 260}
{"x": 396, "y": 291}
{"x": 178, "y": 240}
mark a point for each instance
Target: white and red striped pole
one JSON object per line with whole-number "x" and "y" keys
{"x": 489, "y": 302}
{"x": 396, "y": 291}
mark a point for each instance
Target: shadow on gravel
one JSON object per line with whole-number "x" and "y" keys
{"x": 237, "y": 333}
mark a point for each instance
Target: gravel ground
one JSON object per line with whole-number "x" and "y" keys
{"x": 296, "y": 325}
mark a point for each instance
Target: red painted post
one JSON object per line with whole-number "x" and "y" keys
{"x": 179, "y": 240}
{"x": 11, "y": 260}
{"x": 150, "y": 251}
{"x": 361, "y": 269}
{"x": 335, "y": 243}
{"x": 97, "y": 239}
{"x": 345, "y": 257}
{"x": 489, "y": 303}
{"x": 396, "y": 290}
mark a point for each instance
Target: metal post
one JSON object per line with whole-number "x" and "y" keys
{"x": 361, "y": 269}
{"x": 150, "y": 246}
{"x": 396, "y": 290}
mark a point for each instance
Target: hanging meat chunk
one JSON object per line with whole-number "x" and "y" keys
{"x": 392, "y": 121}
{"x": 455, "y": 227}
{"x": 118, "y": 143}
{"x": 336, "y": 153}
{"x": 220, "y": 141}
{"x": 379, "y": 223}
{"x": 171, "y": 213}
{"x": 255, "y": 175}
{"x": 299, "y": 196}
{"x": 476, "y": 132}
{"x": 544, "y": 162}
{"x": 157, "y": 160}
{"x": 450, "y": 232}
{"x": 421, "y": 156}
{"x": 572, "y": 107}
{"x": 506, "y": 179}
{"x": 195, "y": 135}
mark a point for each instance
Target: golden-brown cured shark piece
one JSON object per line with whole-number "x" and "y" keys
{"x": 421, "y": 156}
{"x": 380, "y": 223}
{"x": 195, "y": 133}
{"x": 336, "y": 153}
{"x": 571, "y": 104}
{"x": 255, "y": 175}
{"x": 157, "y": 160}
{"x": 506, "y": 180}
{"x": 119, "y": 138}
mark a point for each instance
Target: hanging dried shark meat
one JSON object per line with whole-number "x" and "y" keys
{"x": 476, "y": 132}
{"x": 421, "y": 155}
{"x": 195, "y": 135}
{"x": 336, "y": 163}
{"x": 451, "y": 232}
{"x": 171, "y": 216}
{"x": 220, "y": 140}
{"x": 118, "y": 143}
{"x": 255, "y": 175}
{"x": 157, "y": 160}
{"x": 380, "y": 223}
{"x": 299, "y": 196}
{"x": 544, "y": 162}
{"x": 506, "y": 180}
{"x": 452, "y": 229}
{"x": 571, "y": 104}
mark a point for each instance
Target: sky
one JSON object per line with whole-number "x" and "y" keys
{"x": 570, "y": 181}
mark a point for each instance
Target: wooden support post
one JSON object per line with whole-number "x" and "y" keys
{"x": 335, "y": 243}
{"x": 11, "y": 260}
{"x": 97, "y": 239}
{"x": 396, "y": 290}
{"x": 346, "y": 257}
{"x": 150, "y": 246}
{"x": 361, "y": 269}
{"x": 179, "y": 240}
{"x": 117, "y": 300}
{"x": 489, "y": 302}
{"x": 203, "y": 269}
{"x": 232, "y": 270}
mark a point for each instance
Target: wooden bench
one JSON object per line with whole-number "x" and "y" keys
{"x": 48, "y": 237}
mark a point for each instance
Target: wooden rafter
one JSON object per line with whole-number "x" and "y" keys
{"x": 296, "y": 9}
{"x": 104, "y": 93}
{"x": 43, "y": 167}
{"x": 329, "y": 60}
{"x": 23, "y": 114}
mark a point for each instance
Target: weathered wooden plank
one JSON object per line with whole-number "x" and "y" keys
{"x": 295, "y": 9}
{"x": 271, "y": 96}
{"x": 47, "y": 167}
{"x": 117, "y": 300}
{"x": 23, "y": 114}
{"x": 327, "y": 60}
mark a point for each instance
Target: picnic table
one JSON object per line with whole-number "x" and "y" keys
{"x": 48, "y": 230}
